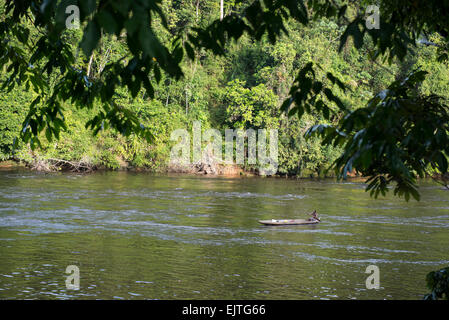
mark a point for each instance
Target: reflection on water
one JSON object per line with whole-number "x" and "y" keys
{"x": 141, "y": 236}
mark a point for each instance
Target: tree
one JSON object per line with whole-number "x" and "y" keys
{"x": 391, "y": 139}
{"x": 438, "y": 284}
{"x": 253, "y": 108}
{"x": 35, "y": 49}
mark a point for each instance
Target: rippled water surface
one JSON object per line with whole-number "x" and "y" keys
{"x": 141, "y": 236}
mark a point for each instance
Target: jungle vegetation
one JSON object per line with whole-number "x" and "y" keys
{"x": 342, "y": 95}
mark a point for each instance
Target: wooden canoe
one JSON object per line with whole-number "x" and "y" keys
{"x": 283, "y": 222}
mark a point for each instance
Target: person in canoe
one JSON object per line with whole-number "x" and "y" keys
{"x": 314, "y": 216}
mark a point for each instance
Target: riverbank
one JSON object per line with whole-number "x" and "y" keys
{"x": 61, "y": 165}
{"x": 197, "y": 169}
{"x": 200, "y": 168}
{"x": 9, "y": 164}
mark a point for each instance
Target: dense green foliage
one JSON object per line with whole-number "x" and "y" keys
{"x": 438, "y": 284}
{"x": 401, "y": 116}
{"x": 136, "y": 70}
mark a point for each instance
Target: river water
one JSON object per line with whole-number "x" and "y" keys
{"x": 143, "y": 236}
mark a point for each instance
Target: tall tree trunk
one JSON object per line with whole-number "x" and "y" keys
{"x": 90, "y": 65}
{"x": 168, "y": 94}
{"x": 187, "y": 101}
{"x": 221, "y": 10}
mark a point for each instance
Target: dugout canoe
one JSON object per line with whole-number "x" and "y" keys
{"x": 283, "y": 222}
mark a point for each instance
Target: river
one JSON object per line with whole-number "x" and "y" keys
{"x": 144, "y": 236}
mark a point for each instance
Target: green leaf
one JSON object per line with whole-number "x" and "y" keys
{"x": 352, "y": 30}
{"x": 88, "y": 6}
{"x": 157, "y": 73}
{"x": 90, "y": 38}
{"x": 286, "y": 104}
{"x": 48, "y": 134}
{"x": 293, "y": 111}
{"x": 189, "y": 51}
{"x": 108, "y": 22}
